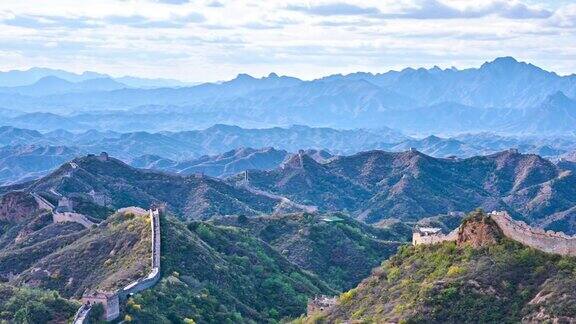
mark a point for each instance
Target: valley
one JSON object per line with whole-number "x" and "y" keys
{"x": 249, "y": 250}
{"x": 276, "y": 199}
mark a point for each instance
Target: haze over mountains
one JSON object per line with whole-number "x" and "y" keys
{"x": 504, "y": 96}
{"x": 278, "y": 190}
{"x": 224, "y": 150}
{"x": 16, "y": 78}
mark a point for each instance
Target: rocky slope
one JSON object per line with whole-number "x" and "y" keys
{"x": 121, "y": 185}
{"x": 221, "y": 165}
{"x": 378, "y": 185}
{"x": 27, "y": 162}
{"x": 70, "y": 259}
{"x": 483, "y": 277}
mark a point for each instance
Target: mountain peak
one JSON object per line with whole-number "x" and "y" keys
{"x": 272, "y": 75}
{"x": 505, "y": 60}
{"x": 501, "y": 63}
{"x": 558, "y": 98}
{"x": 244, "y": 77}
{"x": 51, "y": 79}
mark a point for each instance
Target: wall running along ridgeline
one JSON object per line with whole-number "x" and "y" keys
{"x": 110, "y": 301}
{"x": 546, "y": 241}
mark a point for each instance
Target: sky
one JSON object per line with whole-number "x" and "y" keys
{"x": 211, "y": 40}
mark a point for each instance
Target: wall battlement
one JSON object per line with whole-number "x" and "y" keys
{"x": 112, "y": 300}
{"x": 420, "y": 238}
{"x": 72, "y": 217}
{"x": 546, "y": 241}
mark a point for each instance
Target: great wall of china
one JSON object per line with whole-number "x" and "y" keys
{"x": 59, "y": 216}
{"x": 111, "y": 300}
{"x": 546, "y": 241}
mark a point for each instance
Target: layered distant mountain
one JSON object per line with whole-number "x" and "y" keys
{"x": 378, "y": 185}
{"x": 52, "y": 85}
{"x": 225, "y": 150}
{"x": 211, "y": 141}
{"x": 27, "y": 162}
{"x": 503, "y": 96}
{"x": 502, "y": 83}
{"x": 194, "y": 197}
{"x": 16, "y": 78}
{"x": 225, "y": 164}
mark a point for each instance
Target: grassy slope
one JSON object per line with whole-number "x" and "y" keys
{"x": 450, "y": 283}
{"x": 26, "y": 305}
{"x": 67, "y": 258}
{"x": 218, "y": 274}
{"x": 341, "y": 253}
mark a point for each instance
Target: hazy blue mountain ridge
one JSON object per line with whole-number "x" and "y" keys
{"x": 503, "y": 96}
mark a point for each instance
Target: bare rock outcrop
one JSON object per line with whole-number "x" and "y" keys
{"x": 16, "y": 206}
{"x": 479, "y": 230}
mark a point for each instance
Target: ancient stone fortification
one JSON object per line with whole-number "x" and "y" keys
{"x": 546, "y": 241}
{"x": 72, "y": 217}
{"x": 111, "y": 301}
{"x": 154, "y": 275}
{"x": 422, "y": 238}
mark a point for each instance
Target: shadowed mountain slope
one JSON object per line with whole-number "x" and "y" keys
{"x": 198, "y": 197}
{"x": 376, "y": 185}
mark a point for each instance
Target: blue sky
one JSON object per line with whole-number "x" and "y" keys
{"x": 209, "y": 40}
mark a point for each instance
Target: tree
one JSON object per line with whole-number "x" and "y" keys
{"x": 242, "y": 219}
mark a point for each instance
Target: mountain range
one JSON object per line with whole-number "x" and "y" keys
{"x": 224, "y": 150}
{"x": 377, "y": 185}
{"x": 371, "y": 186}
{"x": 503, "y": 96}
{"x": 257, "y": 246}
{"x": 19, "y": 78}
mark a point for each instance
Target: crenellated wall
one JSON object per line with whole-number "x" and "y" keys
{"x": 143, "y": 283}
{"x": 72, "y": 217}
{"x": 418, "y": 238}
{"x": 154, "y": 275}
{"x": 547, "y": 241}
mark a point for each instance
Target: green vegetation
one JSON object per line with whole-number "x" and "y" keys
{"x": 340, "y": 250}
{"x": 73, "y": 259}
{"x": 216, "y": 274}
{"x": 504, "y": 282}
{"x": 33, "y": 306}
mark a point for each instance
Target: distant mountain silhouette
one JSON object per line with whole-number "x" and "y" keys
{"x": 17, "y": 78}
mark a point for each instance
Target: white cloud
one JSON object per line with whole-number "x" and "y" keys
{"x": 564, "y": 17}
{"x": 215, "y": 40}
{"x": 436, "y": 9}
